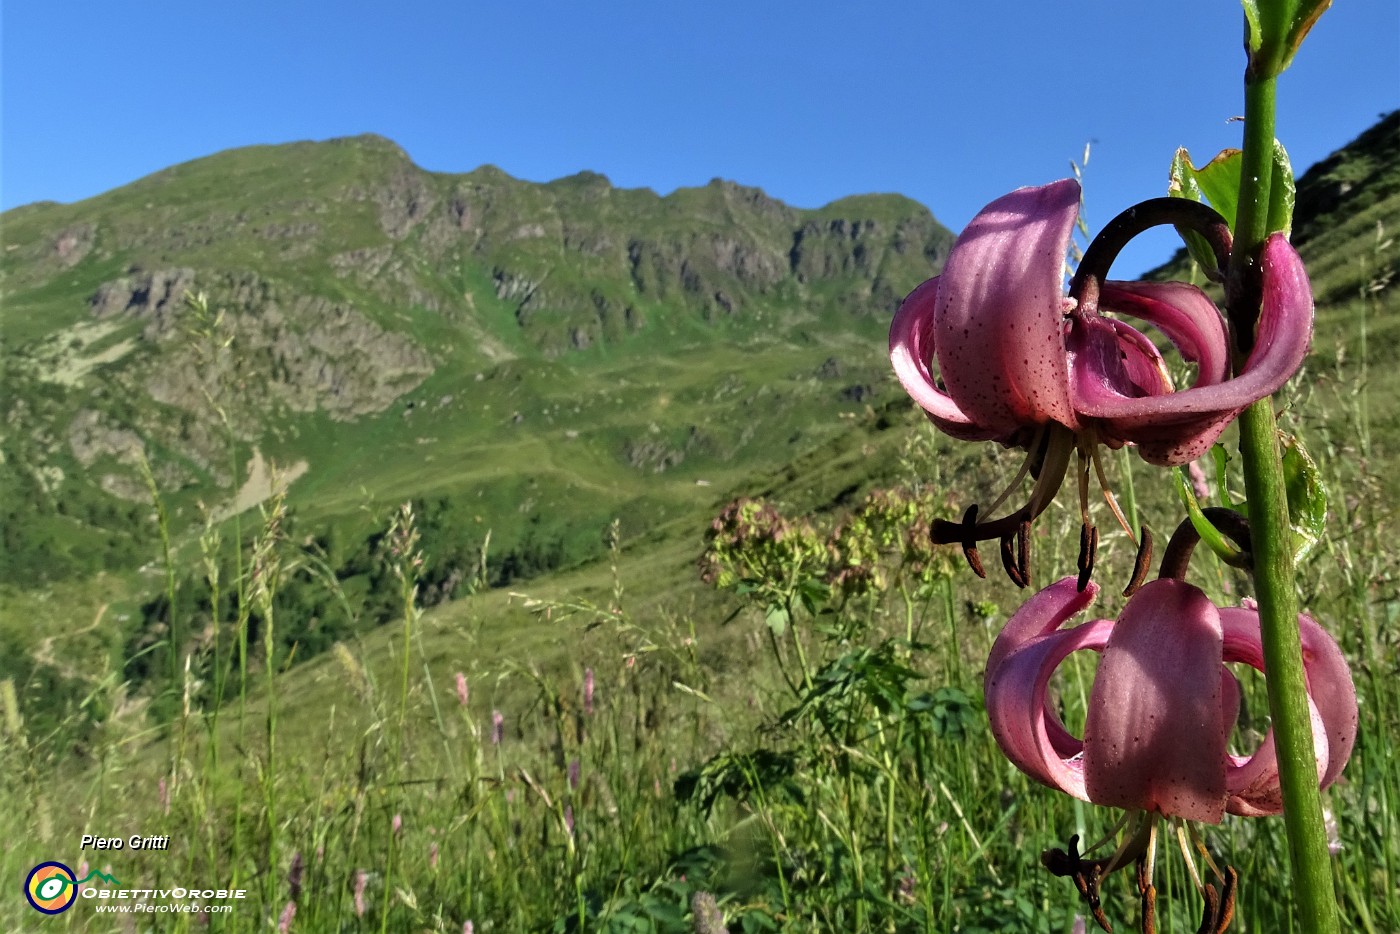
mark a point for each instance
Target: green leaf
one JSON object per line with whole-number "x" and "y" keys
{"x": 1274, "y": 30}
{"x": 1282, "y": 192}
{"x": 1210, "y": 535}
{"x": 1218, "y": 183}
{"x": 777, "y": 619}
{"x": 1303, "y": 19}
{"x": 1185, "y": 185}
{"x": 1220, "y": 456}
{"x": 1253, "y": 29}
{"x": 1307, "y": 497}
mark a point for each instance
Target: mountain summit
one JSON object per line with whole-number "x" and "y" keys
{"x": 346, "y": 286}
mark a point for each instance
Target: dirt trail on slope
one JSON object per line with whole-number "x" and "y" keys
{"x": 263, "y": 481}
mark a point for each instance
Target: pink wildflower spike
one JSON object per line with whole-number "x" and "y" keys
{"x": 1162, "y": 705}
{"x": 588, "y": 686}
{"x": 284, "y": 922}
{"x": 463, "y": 693}
{"x": 361, "y": 882}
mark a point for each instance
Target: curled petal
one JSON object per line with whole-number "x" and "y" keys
{"x": 911, "y": 352}
{"x": 1331, "y": 688}
{"x": 1019, "y": 668}
{"x": 999, "y": 309}
{"x": 1182, "y": 312}
{"x": 1253, "y": 780}
{"x": 1155, "y": 736}
{"x": 1109, "y": 360}
{"x": 1041, "y": 615}
{"x": 1175, "y": 428}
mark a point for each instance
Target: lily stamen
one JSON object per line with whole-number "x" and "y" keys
{"x": 1088, "y": 549}
{"x": 1010, "y": 561}
{"x": 1180, "y": 829}
{"x": 1048, "y": 462}
{"x": 1141, "y": 563}
{"x": 1148, "y": 892}
{"x": 967, "y": 538}
{"x": 1108, "y": 496}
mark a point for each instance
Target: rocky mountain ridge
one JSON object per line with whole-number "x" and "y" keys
{"x": 341, "y": 279}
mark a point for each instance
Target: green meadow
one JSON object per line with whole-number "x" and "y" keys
{"x": 501, "y": 660}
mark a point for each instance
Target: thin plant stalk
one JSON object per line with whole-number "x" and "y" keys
{"x": 1274, "y": 571}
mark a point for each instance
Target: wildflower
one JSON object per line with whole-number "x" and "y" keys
{"x": 1160, "y": 714}
{"x": 907, "y": 888}
{"x": 498, "y": 727}
{"x": 361, "y": 881}
{"x": 575, "y": 769}
{"x": 1020, "y": 363}
{"x": 396, "y": 825}
{"x": 1162, "y": 705}
{"x": 1200, "y": 483}
{"x": 468, "y": 927}
{"x": 462, "y": 692}
{"x": 284, "y": 922}
{"x": 588, "y": 691}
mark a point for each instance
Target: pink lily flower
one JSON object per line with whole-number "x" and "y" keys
{"x": 1020, "y": 362}
{"x": 1162, "y": 705}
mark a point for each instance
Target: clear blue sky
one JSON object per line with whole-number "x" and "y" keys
{"x": 950, "y": 103}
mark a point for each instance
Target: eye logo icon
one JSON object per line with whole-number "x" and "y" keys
{"x": 52, "y": 887}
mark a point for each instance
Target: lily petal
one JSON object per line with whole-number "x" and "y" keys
{"x": 911, "y": 351}
{"x": 999, "y": 309}
{"x": 1331, "y": 701}
{"x": 1019, "y": 668}
{"x": 1182, "y": 312}
{"x": 1155, "y": 736}
{"x": 1109, "y": 360}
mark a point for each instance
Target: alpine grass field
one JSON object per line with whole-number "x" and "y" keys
{"x": 604, "y": 600}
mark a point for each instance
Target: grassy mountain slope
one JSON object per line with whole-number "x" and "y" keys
{"x": 527, "y": 361}
{"x": 395, "y": 331}
{"x": 546, "y": 358}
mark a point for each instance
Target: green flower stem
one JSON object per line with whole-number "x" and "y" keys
{"x": 1274, "y": 573}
